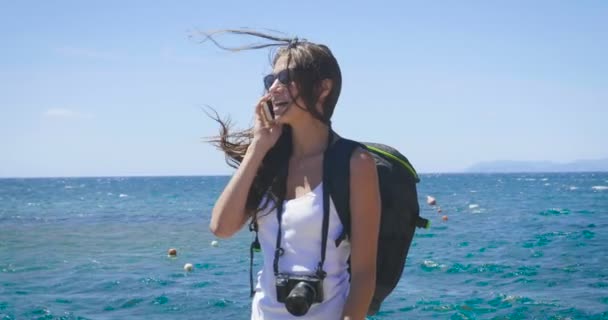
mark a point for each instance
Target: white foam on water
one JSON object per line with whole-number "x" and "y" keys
{"x": 573, "y": 188}
{"x": 511, "y": 298}
{"x": 599, "y": 188}
{"x": 473, "y": 206}
{"x": 433, "y": 264}
{"x": 122, "y": 195}
{"x": 547, "y": 184}
{"x": 430, "y": 263}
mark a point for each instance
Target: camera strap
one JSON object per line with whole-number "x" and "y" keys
{"x": 253, "y": 226}
{"x": 279, "y": 251}
{"x": 255, "y": 247}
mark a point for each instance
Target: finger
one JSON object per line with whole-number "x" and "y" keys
{"x": 261, "y": 113}
{"x": 277, "y": 129}
{"x": 261, "y": 119}
{"x": 262, "y": 100}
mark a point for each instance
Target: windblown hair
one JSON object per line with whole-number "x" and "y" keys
{"x": 309, "y": 63}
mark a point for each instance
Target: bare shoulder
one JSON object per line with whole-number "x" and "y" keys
{"x": 363, "y": 172}
{"x": 362, "y": 162}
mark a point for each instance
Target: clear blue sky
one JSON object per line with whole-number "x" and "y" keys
{"x": 96, "y": 88}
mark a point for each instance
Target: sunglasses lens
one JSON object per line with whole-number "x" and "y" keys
{"x": 283, "y": 77}
{"x": 268, "y": 81}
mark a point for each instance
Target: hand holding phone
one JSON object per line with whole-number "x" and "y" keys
{"x": 266, "y": 131}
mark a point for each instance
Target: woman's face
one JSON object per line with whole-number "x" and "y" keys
{"x": 285, "y": 108}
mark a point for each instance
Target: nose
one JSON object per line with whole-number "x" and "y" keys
{"x": 274, "y": 87}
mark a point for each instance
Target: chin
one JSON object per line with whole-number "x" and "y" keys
{"x": 280, "y": 120}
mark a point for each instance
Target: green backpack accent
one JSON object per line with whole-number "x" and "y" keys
{"x": 400, "y": 209}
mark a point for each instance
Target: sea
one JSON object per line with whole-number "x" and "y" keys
{"x": 500, "y": 246}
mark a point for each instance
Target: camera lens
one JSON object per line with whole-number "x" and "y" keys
{"x": 300, "y": 299}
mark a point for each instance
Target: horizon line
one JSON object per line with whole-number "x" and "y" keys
{"x": 229, "y": 175}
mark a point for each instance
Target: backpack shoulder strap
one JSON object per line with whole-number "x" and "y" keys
{"x": 339, "y": 181}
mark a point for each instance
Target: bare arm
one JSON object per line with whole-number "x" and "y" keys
{"x": 365, "y": 224}
{"x": 229, "y": 213}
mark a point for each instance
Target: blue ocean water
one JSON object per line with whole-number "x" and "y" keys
{"x": 515, "y": 246}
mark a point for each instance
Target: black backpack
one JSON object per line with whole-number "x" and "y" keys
{"x": 400, "y": 209}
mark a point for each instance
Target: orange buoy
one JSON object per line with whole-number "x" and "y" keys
{"x": 172, "y": 252}
{"x": 444, "y": 218}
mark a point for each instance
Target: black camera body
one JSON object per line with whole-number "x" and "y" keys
{"x": 299, "y": 292}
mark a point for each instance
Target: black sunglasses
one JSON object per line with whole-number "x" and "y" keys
{"x": 282, "y": 75}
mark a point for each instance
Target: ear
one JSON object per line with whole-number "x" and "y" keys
{"x": 324, "y": 91}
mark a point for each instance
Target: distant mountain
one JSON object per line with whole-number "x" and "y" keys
{"x": 540, "y": 166}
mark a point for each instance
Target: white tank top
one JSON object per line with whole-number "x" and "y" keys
{"x": 301, "y": 225}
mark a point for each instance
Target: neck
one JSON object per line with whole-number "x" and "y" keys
{"x": 309, "y": 138}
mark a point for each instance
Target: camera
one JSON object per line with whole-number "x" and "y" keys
{"x": 298, "y": 292}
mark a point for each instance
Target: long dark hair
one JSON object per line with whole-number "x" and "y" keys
{"x": 309, "y": 64}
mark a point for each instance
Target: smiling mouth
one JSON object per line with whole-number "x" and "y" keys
{"x": 280, "y": 107}
{"x": 281, "y": 103}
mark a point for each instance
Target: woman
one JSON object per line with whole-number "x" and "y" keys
{"x": 279, "y": 177}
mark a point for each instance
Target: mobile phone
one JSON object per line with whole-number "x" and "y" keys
{"x": 269, "y": 110}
